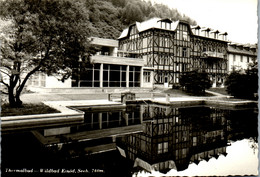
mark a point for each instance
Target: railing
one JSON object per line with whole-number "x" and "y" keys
{"x": 213, "y": 54}
{"x": 166, "y": 95}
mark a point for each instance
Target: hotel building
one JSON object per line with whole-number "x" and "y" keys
{"x": 153, "y": 53}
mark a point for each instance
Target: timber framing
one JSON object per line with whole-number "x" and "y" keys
{"x": 172, "y": 48}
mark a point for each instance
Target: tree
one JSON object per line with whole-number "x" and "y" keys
{"x": 132, "y": 13}
{"x": 48, "y": 36}
{"x": 243, "y": 84}
{"x": 195, "y": 82}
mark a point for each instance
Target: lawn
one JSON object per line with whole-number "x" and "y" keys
{"x": 179, "y": 92}
{"x": 219, "y": 90}
{"x": 27, "y": 109}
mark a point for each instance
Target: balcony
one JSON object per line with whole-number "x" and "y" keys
{"x": 117, "y": 60}
{"x": 209, "y": 54}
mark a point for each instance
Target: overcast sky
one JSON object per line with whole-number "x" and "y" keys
{"x": 236, "y": 17}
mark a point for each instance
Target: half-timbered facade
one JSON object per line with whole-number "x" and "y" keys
{"x": 173, "y": 139}
{"x": 170, "y": 48}
{"x": 148, "y": 54}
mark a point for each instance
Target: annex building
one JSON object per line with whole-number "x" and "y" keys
{"x": 149, "y": 54}
{"x": 240, "y": 55}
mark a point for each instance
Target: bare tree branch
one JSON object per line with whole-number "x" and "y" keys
{"x": 1, "y": 81}
{"x": 6, "y": 66}
{"x": 4, "y": 72}
{"x": 3, "y": 92}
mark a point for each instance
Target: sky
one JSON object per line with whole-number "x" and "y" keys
{"x": 236, "y": 17}
{"x": 223, "y": 166}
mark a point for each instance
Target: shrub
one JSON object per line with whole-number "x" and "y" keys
{"x": 243, "y": 84}
{"x": 195, "y": 82}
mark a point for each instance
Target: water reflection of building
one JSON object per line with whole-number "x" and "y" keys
{"x": 110, "y": 118}
{"x": 97, "y": 134}
{"x": 175, "y": 137}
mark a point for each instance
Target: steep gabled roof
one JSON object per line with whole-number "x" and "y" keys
{"x": 149, "y": 24}
{"x": 156, "y": 23}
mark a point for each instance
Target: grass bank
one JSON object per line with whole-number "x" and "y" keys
{"x": 219, "y": 90}
{"x": 27, "y": 109}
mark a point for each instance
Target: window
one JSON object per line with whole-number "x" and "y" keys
{"x": 167, "y": 62}
{"x": 163, "y": 128}
{"x": 234, "y": 57}
{"x": 194, "y": 141}
{"x": 185, "y": 35}
{"x": 247, "y": 59}
{"x": 241, "y": 58}
{"x": 160, "y": 78}
{"x": 161, "y": 41}
{"x": 184, "y": 52}
{"x": 178, "y": 34}
{"x": 166, "y": 42}
{"x": 147, "y": 76}
{"x": 162, "y": 147}
{"x": 161, "y": 61}
{"x": 145, "y": 43}
{"x": 177, "y": 66}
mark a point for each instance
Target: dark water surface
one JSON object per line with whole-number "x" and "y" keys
{"x": 139, "y": 140}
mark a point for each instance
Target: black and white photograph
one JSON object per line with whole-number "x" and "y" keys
{"x": 129, "y": 88}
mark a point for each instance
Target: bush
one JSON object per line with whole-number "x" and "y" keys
{"x": 243, "y": 84}
{"x": 195, "y": 82}
{"x": 176, "y": 86}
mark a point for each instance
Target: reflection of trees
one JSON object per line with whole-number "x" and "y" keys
{"x": 253, "y": 144}
{"x": 242, "y": 124}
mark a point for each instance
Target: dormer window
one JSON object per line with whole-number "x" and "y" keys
{"x": 206, "y": 32}
{"x": 215, "y": 34}
{"x": 197, "y": 29}
{"x": 165, "y": 23}
{"x": 223, "y": 36}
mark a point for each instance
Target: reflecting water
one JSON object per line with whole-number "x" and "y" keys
{"x": 140, "y": 140}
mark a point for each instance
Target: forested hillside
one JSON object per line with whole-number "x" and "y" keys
{"x": 110, "y": 17}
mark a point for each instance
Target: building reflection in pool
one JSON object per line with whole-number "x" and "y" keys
{"x": 139, "y": 137}
{"x": 173, "y": 138}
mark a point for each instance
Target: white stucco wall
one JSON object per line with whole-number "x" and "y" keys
{"x": 53, "y": 82}
{"x": 237, "y": 62}
{"x": 148, "y": 84}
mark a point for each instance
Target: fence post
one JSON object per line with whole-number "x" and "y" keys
{"x": 109, "y": 97}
